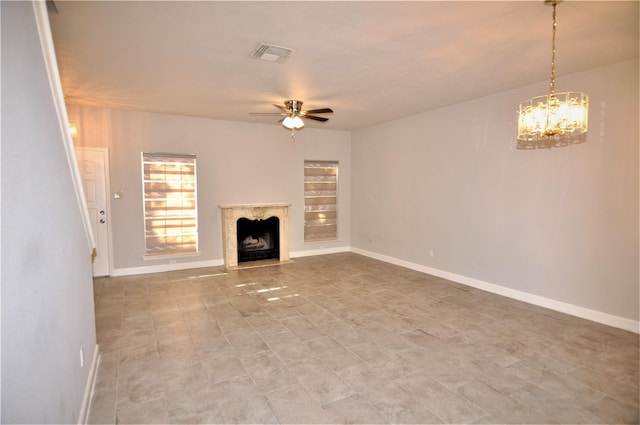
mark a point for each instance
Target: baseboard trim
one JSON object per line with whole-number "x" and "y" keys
{"x": 562, "y": 307}
{"x": 323, "y": 251}
{"x": 85, "y": 409}
{"x": 158, "y": 268}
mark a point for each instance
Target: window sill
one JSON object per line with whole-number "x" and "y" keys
{"x": 169, "y": 256}
{"x": 321, "y": 241}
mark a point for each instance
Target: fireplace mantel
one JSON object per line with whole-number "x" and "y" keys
{"x": 230, "y": 215}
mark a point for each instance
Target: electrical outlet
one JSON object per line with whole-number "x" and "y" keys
{"x": 431, "y": 253}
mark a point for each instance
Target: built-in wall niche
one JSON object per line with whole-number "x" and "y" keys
{"x": 254, "y": 232}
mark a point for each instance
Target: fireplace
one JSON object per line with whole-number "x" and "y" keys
{"x": 253, "y": 233}
{"x": 258, "y": 239}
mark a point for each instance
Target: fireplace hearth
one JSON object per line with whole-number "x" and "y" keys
{"x": 254, "y": 234}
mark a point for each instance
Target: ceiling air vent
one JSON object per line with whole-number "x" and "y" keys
{"x": 271, "y": 53}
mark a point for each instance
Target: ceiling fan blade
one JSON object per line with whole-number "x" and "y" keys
{"x": 319, "y": 111}
{"x": 313, "y": 117}
{"x": 267, "y": 113}
{"x": 281, "y": 107}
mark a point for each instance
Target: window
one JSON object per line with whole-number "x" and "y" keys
{"x": 170, "y": 213}
{"x": 320, "y": 200}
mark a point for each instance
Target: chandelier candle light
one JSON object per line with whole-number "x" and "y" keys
{"x": 556, "y": 116}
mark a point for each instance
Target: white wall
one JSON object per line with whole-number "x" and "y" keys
{"x": 558, "y": 223}
{"x": 237, "y": 163}
{"x": 47, "y": 291}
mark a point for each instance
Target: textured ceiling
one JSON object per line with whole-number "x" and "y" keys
{"x": 369, "y": 61}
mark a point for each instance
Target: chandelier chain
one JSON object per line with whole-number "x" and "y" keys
{"x": 553, "y": 53}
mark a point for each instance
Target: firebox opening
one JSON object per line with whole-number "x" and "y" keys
{"x": 258, "y": 239}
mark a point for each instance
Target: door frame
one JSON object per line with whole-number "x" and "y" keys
{"x": 107, "y": 190}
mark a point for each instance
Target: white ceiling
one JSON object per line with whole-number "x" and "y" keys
{"x": 369, "y": 61}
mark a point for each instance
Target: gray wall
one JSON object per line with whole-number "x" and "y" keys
{"x": 560, "y": 223}
{"x": 47, "y": 291}
{"x": 237, "y": 163}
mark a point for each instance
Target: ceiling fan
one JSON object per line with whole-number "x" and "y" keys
{"x": 293, "y": 114}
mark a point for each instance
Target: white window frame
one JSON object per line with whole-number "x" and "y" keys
{"x": 180, "y": 229}
{"x": 319, "y": 214}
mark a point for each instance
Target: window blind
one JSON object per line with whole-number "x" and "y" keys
{"x": 320, "y": 200}
{"x": 170, "y": 204}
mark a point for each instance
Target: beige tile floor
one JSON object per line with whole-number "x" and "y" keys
{"x": 346, "y": 339}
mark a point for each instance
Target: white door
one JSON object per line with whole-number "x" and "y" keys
{"x": 93, "y": 165}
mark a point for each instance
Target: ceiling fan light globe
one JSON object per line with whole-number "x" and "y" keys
{"x": 297, "y": 122}
{"x": 293, "y": 122}
{"x": 288, "y": 123}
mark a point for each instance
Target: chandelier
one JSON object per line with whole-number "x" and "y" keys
{"x": 556, "y": 119}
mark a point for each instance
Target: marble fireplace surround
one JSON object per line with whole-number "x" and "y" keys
{"x": 230, "y": 216}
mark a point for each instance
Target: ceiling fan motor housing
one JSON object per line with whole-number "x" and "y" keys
{"x": 295, "y": 106}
